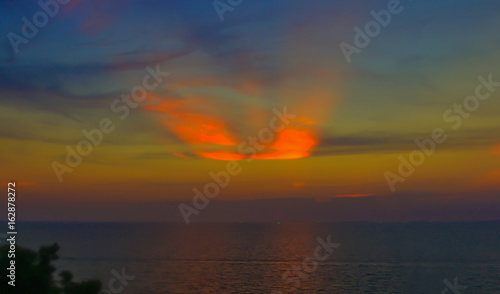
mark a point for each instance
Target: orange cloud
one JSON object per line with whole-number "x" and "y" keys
{"x": 490, "y": 179}
{"x": 211, "y": 137}
{"x": 213, "y": 132}
{"x": 291, "y": 144}
{"x": 190, "y": 126}
{"x": 19, "y": 184}
{"x": 496, "y": 149}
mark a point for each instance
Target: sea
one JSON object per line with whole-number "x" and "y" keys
{"x": 155, "y": 258}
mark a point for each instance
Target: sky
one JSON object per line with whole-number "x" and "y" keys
{"x": 218, "y": 77}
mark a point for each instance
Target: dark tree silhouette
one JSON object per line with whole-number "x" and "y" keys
{"x": 34, "y": 274}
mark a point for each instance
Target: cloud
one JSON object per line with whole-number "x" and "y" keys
{"x": 392, "y": 142}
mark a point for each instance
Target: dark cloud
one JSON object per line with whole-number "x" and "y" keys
{"x": 389, "y": 142}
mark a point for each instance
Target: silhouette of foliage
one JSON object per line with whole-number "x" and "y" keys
{"x": 34, "y": 273}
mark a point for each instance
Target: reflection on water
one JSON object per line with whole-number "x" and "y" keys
{"x": 252, "y": 258}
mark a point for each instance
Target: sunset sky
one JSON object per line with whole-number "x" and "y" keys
{"x": 352, "y": 120}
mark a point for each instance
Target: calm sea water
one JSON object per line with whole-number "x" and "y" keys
{"x": 252, "y": 258}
